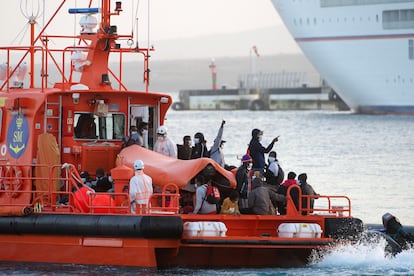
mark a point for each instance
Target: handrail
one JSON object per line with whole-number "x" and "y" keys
{"x": 73, "y": 196}
{"x": 326, "y": 207}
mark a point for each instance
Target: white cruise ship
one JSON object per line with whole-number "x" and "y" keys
{"x": 363, "y": 48}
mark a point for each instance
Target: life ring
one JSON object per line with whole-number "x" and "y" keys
{"x": 12, "y": 180}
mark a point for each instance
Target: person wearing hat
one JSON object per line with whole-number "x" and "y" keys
{"x": 140, "y": 189}
{"x": 257, "y": 150}
{"x": 243, "y": 181}
{"x": 199, "y": 149}
{"x": 216, "y": 152}
{"x": 164, "y": 144}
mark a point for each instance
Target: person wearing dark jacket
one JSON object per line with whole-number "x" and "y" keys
{"x": 184, "y": 151}
{"x": 243, "y": 181}
{"x": 307, "y": 189}
{"x": 257, "y": 150}
{"x": 262, "y": 200}
{"x": 199, "y": 148}
{"x": 294, "y": 193}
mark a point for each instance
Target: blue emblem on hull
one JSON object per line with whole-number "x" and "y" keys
{"x": 17, "y": 136}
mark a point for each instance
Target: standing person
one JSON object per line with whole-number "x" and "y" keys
{"x": 185, "y": 150}
{"x": 307, "y": 189}
{"x": 140, "y": 188}
{"x": 243, "y": 181}
{"x": 164, "y": 144}
{"x": 216, "y": 152}
{"x": 294, "y": 193}
{"x": 199, "y": 148}
{"x": 142, "y": 132}
{"x": 274, "y": 173}
{"x": 257, "y": 150}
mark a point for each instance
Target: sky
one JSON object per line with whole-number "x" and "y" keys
{"x": 167, "y": 20}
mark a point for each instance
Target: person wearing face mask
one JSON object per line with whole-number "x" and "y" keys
{"x": 185, "y": 150}
{"x": 132, "y": 139}
{"x": 243, "y": 181}
{"x": 142, "y": 133}
{"x": 274, "y": 173}
{"x": 164, "y": 144}
{"x": 199, "y": 148}
{"x": 257, "y": 150}
{"x": 216, "y": 152}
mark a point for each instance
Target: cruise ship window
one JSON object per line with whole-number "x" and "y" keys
{"x": 411, "y": 49}
{"x": 398, "y": 19}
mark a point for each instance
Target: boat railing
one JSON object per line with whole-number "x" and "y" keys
{"x": 14, "y": 67}
{"x": 324, "y": 204}
{"x": 60, "y": 189}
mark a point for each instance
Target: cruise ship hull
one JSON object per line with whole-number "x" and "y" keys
{"x": 364, "y": 49}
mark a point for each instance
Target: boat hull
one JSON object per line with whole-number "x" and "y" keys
{"x": 368, "y": 63}
{"x": 161, "y": 241}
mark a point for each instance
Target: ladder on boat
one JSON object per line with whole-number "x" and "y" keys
{"x": 53, "y": 119}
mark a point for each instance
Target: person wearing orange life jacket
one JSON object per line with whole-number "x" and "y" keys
{"x": 164, "y": 144}
{"x": 140, "y": 188}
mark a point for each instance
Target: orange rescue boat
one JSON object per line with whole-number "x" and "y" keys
{"x": 50, "y": 133}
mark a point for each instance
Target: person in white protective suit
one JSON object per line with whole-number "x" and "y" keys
{"x": 140, "y": 189}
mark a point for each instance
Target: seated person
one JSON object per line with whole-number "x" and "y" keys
{"x": 230, "y": 204}
{"x": 294, "y": 193}
{"x": 103, "y": 182}
{"x": 187, "y": 199}
{"x": 262, "y": 200}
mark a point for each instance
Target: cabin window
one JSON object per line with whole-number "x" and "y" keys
{"x": 90, "y": 126}
{"x": 411, "y": 49}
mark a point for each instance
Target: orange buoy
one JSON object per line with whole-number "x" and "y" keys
{"x": 81, "y": 199}
{"x": 102, "y": 204}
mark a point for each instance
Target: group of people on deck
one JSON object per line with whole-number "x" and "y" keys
{"x": 261, "y": 186}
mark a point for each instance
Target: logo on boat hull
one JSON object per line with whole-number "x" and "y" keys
{"x": 17, "y": 136}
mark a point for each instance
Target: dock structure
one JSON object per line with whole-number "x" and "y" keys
{"x": 290, "y": 98}
{"x": 264, "y": 91}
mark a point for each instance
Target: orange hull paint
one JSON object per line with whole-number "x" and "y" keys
{"x": 51, "y": 133}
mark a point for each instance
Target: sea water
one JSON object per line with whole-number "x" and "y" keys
{"x": 368, "y": 158}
